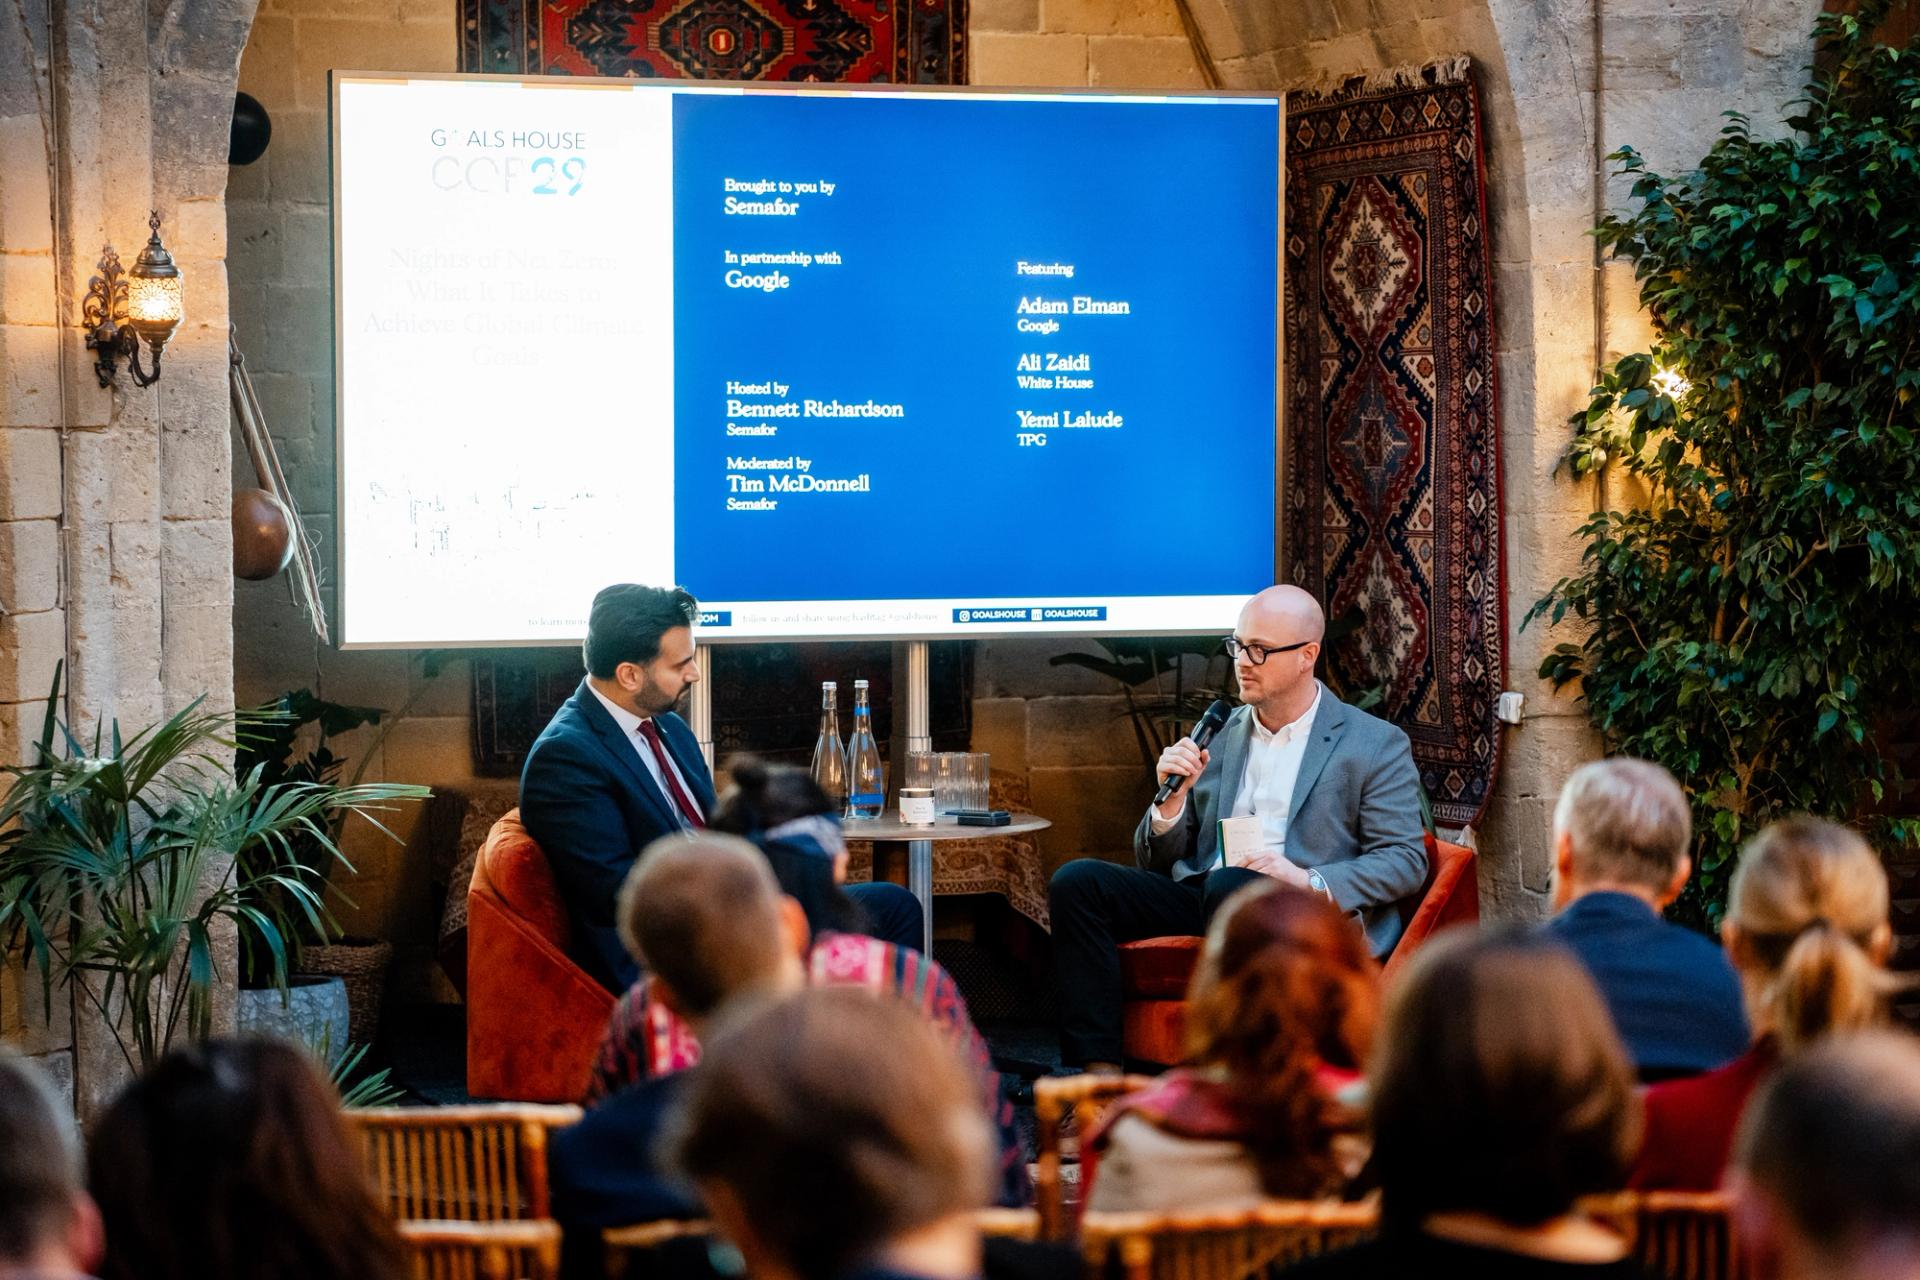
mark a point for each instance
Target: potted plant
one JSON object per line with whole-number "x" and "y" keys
{"x": 120, "y": 858}
{"x": 318, "y": 953}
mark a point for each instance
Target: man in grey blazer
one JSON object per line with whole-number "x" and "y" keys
{"x": 1334, "y": 793}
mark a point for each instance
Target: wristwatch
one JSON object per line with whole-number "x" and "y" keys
{"x": 1318, "y": 883}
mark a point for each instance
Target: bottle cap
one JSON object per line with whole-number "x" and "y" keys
{"x": 828, "y": 684}
{"x": 859, "y": 684}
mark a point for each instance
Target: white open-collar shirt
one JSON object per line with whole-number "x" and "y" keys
{"x": 630, "y": 725}
{"x": 1267, "y": 782}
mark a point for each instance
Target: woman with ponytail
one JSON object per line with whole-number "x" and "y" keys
{"x": 1279, "y": 1022}
{"x": 1807, "y": 930}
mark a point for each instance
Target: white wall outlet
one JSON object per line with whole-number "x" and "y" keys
{"x": 1510, "y": 707}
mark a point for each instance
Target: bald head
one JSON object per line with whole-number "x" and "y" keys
{"x": 1286, "y": 611}
{"x": 1286, "y": 625}
{"x": 705, "y": 915}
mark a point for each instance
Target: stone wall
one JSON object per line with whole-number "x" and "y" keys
{"x": 114, "y": 535}
{"x": 279, "y": 223}
{"x": 1666, "y": 69}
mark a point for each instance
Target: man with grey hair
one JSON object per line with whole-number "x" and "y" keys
{"x": 1826, "y": 1170}
{"x": 49, "y": 1227}
{"x": 1621, "y": 832}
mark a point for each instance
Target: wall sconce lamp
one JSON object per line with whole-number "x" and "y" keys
{"x": 123, "y": 307}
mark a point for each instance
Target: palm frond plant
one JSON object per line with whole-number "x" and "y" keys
{"x": 119, "y": 860}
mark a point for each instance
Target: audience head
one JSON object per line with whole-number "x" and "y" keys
{"x": 816, "y": 1154}
{"x": 1285, "y": 985}
{"x": 1622, "y": 824}
{"x": 230, "y": 1161}
{"x": 1500, "y": 1087}
{"x": 783, "y": 811}
{"x": 640, "y": 645}
{"x": 48, "y": 1224}
{"x": 1827, "y": 1167}
{"x": 1278, "y": 618}
{"x": 706, "y": 918}
{"x": 1807, "y": 927}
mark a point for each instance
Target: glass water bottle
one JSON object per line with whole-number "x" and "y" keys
{"x": 866, "y": 773}
{"x": 829, "y": 753}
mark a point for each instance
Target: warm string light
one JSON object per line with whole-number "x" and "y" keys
{"x": 1670, "y": 383}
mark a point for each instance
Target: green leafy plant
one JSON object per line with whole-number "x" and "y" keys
{"x": 1749, "y": 626}
{"x": 310, "y": 857}
{"x": 119, "y": 859}
{"x": 357, "y": 1086}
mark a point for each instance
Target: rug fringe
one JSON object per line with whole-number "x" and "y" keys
{"x": 1452, "y": 69}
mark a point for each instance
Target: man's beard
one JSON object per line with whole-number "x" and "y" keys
{"x": 653, "y": 700}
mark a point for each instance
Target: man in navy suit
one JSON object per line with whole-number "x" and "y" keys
{"x": 1621, "y": 832}
{"x": 616, "y": 769}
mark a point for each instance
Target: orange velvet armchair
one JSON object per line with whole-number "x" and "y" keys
{"x": 534, "y": 1017}
{"x": 1155, "y": 972}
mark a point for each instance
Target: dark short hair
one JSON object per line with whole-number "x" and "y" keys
{"x": 39, "y": 1159}
{"x": 231, "y": 1160}
{"x": 704, "y": 914}
{"x": 1500, "y": 1086}
{"x": 1834, "y": 1139}
{"x": 627, "y": 621}
{"x": 840, "y": 1120}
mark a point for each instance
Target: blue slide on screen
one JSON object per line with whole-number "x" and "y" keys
{"x": 1008, "y": 350}
{"x": 843, "y": 361}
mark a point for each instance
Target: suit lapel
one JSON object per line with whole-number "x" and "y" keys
{"x": 1329, "y": 722}
{"x": 623, "y": 751}
{"x": 1233, "y": 758}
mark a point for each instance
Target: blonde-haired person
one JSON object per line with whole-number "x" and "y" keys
{"x": 1807, "y": 929}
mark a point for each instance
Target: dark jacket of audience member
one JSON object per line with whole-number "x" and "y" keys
{"x": 1829, "y": 1164}
{"x": 1621, "y": 834}
{"x": 230, "y": 1161}
{"x": 786, "y": 815}
{"x": 1807, "y": 928}
{"x": 706, "y": 918}
{"x": 1501, "y": 1096}
{"x": 1279, "y": 1022}
{"x": 821, "y": 1158}
{"x": 49, "y": 1227}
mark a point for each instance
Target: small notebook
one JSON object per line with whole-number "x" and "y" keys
{"x": 1239, "y": 837}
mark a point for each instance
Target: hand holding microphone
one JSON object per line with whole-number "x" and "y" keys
{"x": 1184, "y": 761}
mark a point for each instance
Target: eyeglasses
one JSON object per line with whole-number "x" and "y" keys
{"x": 1257, "y": 653}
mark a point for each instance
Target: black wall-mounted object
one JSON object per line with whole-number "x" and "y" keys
{"x": 252, "y": 130}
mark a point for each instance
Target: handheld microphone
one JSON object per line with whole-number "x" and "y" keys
{"x": 1210, "y": 723}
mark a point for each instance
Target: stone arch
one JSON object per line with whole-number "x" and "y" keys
{"x": 115, "y": 541}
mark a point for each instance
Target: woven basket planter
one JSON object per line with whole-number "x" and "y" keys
{"x": 363, "y": 967}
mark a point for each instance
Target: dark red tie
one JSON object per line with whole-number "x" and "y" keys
{"x": 667, "y": 775}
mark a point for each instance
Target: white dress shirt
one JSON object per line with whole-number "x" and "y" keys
{"x": 1266, "y": 786}
{"x": 630, "y": 725}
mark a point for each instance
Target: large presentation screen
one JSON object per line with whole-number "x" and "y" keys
{"x": 842, "y": 362}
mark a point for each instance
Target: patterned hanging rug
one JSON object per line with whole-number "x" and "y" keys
{"x": 1393, "y": 444}
{"x": 856, "y": 41}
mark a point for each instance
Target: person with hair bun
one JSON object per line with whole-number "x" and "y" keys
{"x": 1279, "y": 1022}
{"x": 1807, "y": 930}
{"x": 783, "y": 811}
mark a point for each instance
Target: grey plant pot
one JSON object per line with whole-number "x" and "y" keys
{"x": 315, "y": 1013}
